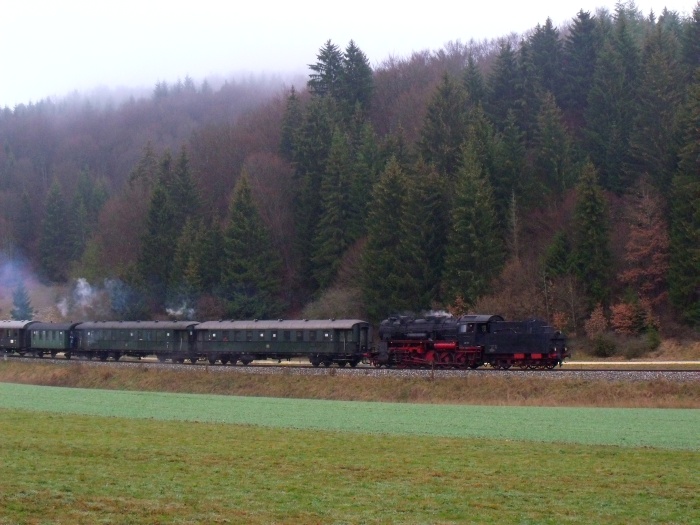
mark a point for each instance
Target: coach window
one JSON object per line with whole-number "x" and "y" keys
{"x": 312, "y": 335}
{"x": 287, "y": 335}
{"x": 300, "y": 335}
{"x": 273, "y": 335}
{"x": 237, "y": 335}
{"x": 261, "y": 336}
{"x": 327, "y": 336}
{"x": 225, "y": 335}
{"x": 249, "y": 335}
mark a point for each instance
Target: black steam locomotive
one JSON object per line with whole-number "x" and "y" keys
{"x": 469, "y": 341}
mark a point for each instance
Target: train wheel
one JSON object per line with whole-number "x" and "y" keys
{"x": 341, "y": 364}
{"x": 116, "y": 356}
{"x": 67, "y": 355}
{"x": 354, "y": 362}
{"x": 54, "y": 354}
{"x": 444, "y": 359}
{"x": 39, "y": 354}
{"x": 178, "y": 360}
{"x": 212, "y": 360}
{"x": 193, "y": 360}
{"x": 103, "y": 356}
{"x": 161, "y": 358}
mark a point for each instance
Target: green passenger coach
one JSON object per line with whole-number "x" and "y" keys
{"x": 15, "y": 337}
{"x": 52, "y": 338}
{"x": 339, "y": 341}
{"x": 114, "y": 339}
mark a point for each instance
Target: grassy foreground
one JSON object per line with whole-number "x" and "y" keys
{"x": 665, "y": 428}
{"x": 71, "y": 469}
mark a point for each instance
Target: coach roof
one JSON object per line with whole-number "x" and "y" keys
{"x": 136, "y": 325}
{"x": 284, "y": 324}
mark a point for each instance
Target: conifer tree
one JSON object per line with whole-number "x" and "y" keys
{"x": 183, "y": 194}
{"x": 356, "y": 78}
{"x": 365, "y": 172}
{"x": 251, "y": 270}
{"x": 291, "y": 122}
{"x": 158, "y": 245}
{"x": 580, "y": 54}
{"x": 185, "y": 283}
{"x": 505, "y": 87}
{"x": 210, "y": 253}
{"x": 592, "y": 258}
{"x": 445, "y": 128}
{"x": 382, "y": 279}
{"x": 474, "y": 83}
{"x": 54, "y": 246}
{"x": 551, "y": 149}
{"x": 547, "y": 58}
{"x": 691, "y": 42}
{"x": 21, "y": 304}
{"x": 310, "y": 162}
{"x": 684, "y": 270}
{"x": 424, "y": 225}
{"x": 332, "y": 236}
{"x": 654, "y": 140}
{"x": 327, "y": 71}
{"x": 474, "y": 254}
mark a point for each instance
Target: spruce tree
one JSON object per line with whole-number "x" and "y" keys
{"x": 21, "y": 304}
{"x": 592, "y": 257}
{"x": 504, "y": 86}
{"x": 356, "y": 79}
{"x": 474, "y": 255}
{"x": 580, "y": 54}
{"x": 382, "y": 279}
{"x": 547, "y": 58}
{"x": 551, "y": 149}
{"x": 445, "y": 127}
{"x": 54, "y": 245}
{"x": 684, "y": 270}
{"x": 424, "y": 225}
{"x": 158, "y": 245}
{"x": 291, "y": 122}
{"x": 654, "y": 140}
{"x": 332, "y": 236}
{"x": 251, "y": 271}
{"x": 474, "y": 83}
{"x": 311, "y": 157}
{"x": 327, "y": 71}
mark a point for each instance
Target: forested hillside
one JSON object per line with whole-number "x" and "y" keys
{"x": 552, "y": 174}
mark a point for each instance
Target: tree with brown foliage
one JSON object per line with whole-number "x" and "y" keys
{"x": 647, "y": 247}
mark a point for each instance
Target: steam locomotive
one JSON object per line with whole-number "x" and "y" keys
{"x": 469, "y": 341}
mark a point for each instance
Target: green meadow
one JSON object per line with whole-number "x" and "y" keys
{"x": 95, "y": 456}
{"x": 664, "y": 428}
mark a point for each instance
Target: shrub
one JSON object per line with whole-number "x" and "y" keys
{"x": 604, "y": 345}
{"x": 596, "y": 324}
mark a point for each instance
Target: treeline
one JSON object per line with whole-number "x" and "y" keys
{"x": 554, "y": 175}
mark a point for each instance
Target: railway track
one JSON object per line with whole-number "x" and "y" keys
{"x": 568, "y": 371}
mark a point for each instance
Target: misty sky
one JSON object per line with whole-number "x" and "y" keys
{"x": 51, "y": 48}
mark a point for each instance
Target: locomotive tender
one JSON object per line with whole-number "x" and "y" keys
{"x": 432, "y": 342}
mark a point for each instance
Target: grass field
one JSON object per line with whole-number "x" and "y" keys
{"x": 172, "y": 458}
{"x": 69, "y": 469}
{"x": 85, "y": 456}
{"x": 665, "y": 428}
